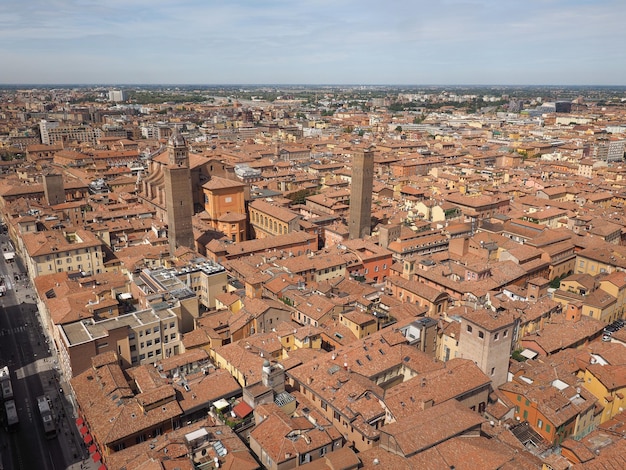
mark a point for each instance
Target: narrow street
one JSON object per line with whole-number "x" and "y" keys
{"x": 26, "y": 350}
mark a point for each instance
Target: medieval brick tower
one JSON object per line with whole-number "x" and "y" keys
{"x": 360, "y": 220}
{"x": 178, "y": 195}
{"x": 53, "y": 189}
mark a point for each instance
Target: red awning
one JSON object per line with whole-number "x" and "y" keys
{"x": 84, "y": 430}
{"x": 102, "y": 467}
{"x": 79, "y": 421}
{"x": 96, "y": 457}
{"x": 87, "y": 439}
{"x": 92, "y": 448}
{"x": 242, "y": 409}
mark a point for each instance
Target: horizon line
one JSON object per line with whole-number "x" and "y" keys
{"x": 390, "y": 85}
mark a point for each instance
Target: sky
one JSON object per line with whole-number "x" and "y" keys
{"x": 399, "y": 42}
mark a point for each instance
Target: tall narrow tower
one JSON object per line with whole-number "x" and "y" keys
{"x": 53, "y": 189}
{"x": 178, "y": 195}
{"x": 360, "y": 220}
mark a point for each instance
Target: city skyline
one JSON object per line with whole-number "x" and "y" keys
{"x": 320, "y": 42}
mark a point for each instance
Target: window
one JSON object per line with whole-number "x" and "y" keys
{"x": 493, "y": 371}
{"x": 150, "y": 354}
{"x": 155, "y": 329}
{"x": 496, "y": 336}
{"x": 525, "y": 414}
{"x": 142, "y": 357}
{"x": 519, "y": 398}
{"x": 149, "y": 343}
{"x": 481, "y": 335}
{"x": 228, "y": 199}
{"x": 506, "y": 333}
{"x": 469, "y": 328}
{"x": 147, "y": 331}
{"x": 548, "y": 428}
{"x": 171, "y": 324}
{"x": 539, "y": 424}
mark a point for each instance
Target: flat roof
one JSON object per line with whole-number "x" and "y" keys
{"x": 84, "y": 331}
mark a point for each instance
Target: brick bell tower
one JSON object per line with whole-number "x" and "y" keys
{"x": 178, "y": 194}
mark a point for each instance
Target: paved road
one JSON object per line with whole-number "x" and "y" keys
{"x": 25, "y": 348}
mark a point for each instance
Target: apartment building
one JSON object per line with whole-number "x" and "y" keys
{"x": 142, "y": 337}
{"x": 555, "y": 409}
{"x": 268, "y": 220}
{"x": 206, "y": 278}
{"x": 56, "y": 251}
{"x": 161, "y": 289}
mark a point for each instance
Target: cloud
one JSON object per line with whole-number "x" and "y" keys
{"x": 317, "y": 41}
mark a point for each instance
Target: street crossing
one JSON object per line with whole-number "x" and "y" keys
{"x": 12, "y": 331}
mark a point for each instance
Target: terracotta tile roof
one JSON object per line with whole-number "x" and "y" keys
{"x": 486, "y": 454}
{"x": 49, "y": 242}
{"x": 217, "y": 183}
{"x": 558, "y": 405}
{"x": 285, "y": 438}
{"x": 420, "y": 431}
{"x": 242, "y": 359}
{"x": 171, "y": 451}
{"x": 451, "y": 380}
{"x": 418, "y": 288}
{"x": 278, "y": 212}
{"x": 112, "y": 411}
{"x": 559, "y": 333}
{"x": 203, "y": 389}
{"x": 377, "y": 458}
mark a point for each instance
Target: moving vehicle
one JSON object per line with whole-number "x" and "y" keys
{"x": 11, "y": 412}
{"x": 47, "y": 418}
{"x": 5, "y": 383}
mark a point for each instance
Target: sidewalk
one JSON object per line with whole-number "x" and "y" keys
{"x": 87, "y": 464}
{"x": 52, "y": 381}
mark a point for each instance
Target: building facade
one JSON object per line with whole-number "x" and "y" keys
{"x": 360, "y": 220}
